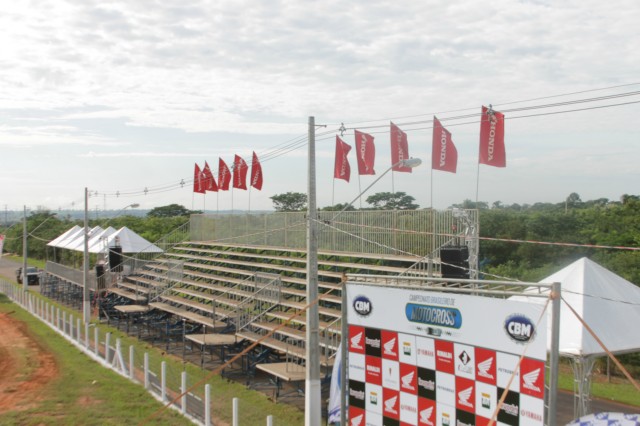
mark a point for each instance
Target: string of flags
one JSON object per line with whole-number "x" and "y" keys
{"x": 236, "y": 177}
{"x": 444, "y": 155}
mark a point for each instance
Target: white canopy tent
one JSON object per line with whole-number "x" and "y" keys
{"x": 67, "y": 234}
{"x": 100, "y": 239}
{"x": 131, "y": 242}
{"x": 608, "y": 304}
{"x": 98, "y": 242}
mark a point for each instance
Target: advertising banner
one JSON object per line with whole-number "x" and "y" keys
{"x": 419, "y": 357}
{"x": 1, "y": 244}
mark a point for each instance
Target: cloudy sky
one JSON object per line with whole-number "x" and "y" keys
{"x": 123, "y": 96}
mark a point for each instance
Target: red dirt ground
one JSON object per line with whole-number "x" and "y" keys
{"x": 25, "y": 367}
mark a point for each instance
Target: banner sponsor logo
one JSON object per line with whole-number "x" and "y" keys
{"x": 434, "y": 315}
{"x": 519, "y": 328}
{"x": 362, "y": 306}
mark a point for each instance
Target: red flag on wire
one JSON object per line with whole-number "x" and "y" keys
{"x": 210, "y": 182}
{"x": 256, "y": 173}
{"x": 492, "y": 151}
{"x": 198, "y": 181}
{"x": 341, "y": 168}
{"x": 224, "y": 175}
{"x": 444, "y": 155}
{"x": 366, "y": 153}
{"x": 399, "y": 149}
{"x": 239, "y": 173}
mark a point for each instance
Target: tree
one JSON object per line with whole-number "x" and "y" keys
{"x": 392, "y": 201}
{"x": 338, "y": 207}
{"x": 172, "y": 210}
{"x": 289, "y": 202}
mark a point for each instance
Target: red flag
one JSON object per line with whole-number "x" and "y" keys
{"x": 366, "y": 153}
{"x": 239, "y": 173}
{"x": 256, "y": 173}
{"x": 492, "y": 138}
{"x": 198, "y": 181}
{"x": 399, "y": 149}
{"x": 210, "y": 182}
{"x": 444, "y": 155}
{"x": 341, "y": 168}
{"x": 224, "y": 175}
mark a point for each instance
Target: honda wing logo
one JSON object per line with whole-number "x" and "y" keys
{"x": 407, "y": 379}
{"x": 390, "y": 346}
{"x": 483, "y": 368}
{"x": 357, "y": 420}
{"x": 425, "y": 415}
{"x": 389, "y": 405}
{"x": 464, "y": 395}
{"x": 530, "y": 379}
{"x": 356, "y": 340}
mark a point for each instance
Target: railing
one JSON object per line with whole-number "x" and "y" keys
{"x": 417, "y": 232}
{"x": 264, "y": 299}
{"x": 171, "y": 278}
{"x": 72, "y": 275}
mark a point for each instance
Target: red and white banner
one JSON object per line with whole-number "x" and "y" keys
{"x": 341, "y": 168}
{"x": 256, "y": 173}
{"x": 444, "y": 155}
{"x": 492, "y": 152}
{"x": 224, "y": 175}
{"x": 366, "y": 153}
{"x": 210, "y": 182}
{"x": 399, "y": 149}
{"x": 240, "y": 170}
{"x": 1, "y": 244}
{"x": 198, "y": 180}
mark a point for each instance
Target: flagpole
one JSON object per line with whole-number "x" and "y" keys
{"x": 360, "y": 189}
{"x": 333, "y": 192}
{"x": 249, "y": 199}
{"x": 218, "y": 201}
{"x": 393, "y": 184}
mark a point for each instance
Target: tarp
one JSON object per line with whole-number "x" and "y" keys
{"x": 77, "y": 243}
{"x": 131, "y": 242}
{"x": 98, "y": 242}
{"x": 609, "y": 305}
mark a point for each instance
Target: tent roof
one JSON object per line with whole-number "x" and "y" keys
{"x": 131, "y": 242}
{"x": 608, "y": 304}
{"x": 77, "y": 243}
{"x": 70, "y": 231}
{"x": 97, "y": 243}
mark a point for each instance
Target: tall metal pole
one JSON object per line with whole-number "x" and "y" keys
{"x": 312, "y": 395}
{"x": 25, "y": 277}
{"x": 86, "y": 305}
{"x": 554, "y": 352}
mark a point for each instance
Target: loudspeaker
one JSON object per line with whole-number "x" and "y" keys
{"x": 115, "y": 259}
{"x": 455, "y": 262}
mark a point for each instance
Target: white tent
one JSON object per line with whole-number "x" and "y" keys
{"x": 67, "y": 234}
{"x": 131, "y": 242}
{"x": 98, "y": 242}
{"x": 608, "y": 304}
{"x": 77, "y": 243}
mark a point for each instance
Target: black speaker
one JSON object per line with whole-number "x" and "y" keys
{"x": 455, "y": 262}
{"x": 115, "y": 259}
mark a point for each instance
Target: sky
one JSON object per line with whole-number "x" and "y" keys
{"x": 124, "y": 97}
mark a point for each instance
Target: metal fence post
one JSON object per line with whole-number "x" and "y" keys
{"x": 96, "y": 335}
{"x": 163, "y": 381}
{"x": 78, "y": 335}
{"x": 86, "y": 335}
{"x": 207, "y": 404}
{"x": 183, "y": 390}
{"x": 132, "y": 367}
{"x": 146, "y": 370}
{"x": 269, "y": 420}
{"x": 235, "y": 412}
{"x": 107, "y": 339}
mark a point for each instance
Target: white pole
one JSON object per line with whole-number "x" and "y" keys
{"x": 25, "y": 278}
{"x": 132, "y": 367}
{"x": 554, "y": 352}
{"x": 207, "y": 405}
{"x": 107, "y": 339}
{"x": 96, "y": 338}
{"x": 183, "y": 390}
{"x": 312, "y": 401}
{"x": 163, "y": 381}
{"x": 269, "y": 420}
{"x": 146, "y": 370}
{"x": 234, "y": 420}
{"x": 86, "y": 306}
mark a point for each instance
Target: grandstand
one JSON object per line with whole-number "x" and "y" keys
{"x": 242, "y": 278}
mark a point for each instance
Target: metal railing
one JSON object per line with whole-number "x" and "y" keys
{"x": 267, "y": 295}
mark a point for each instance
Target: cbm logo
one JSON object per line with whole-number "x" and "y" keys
{"x": 519, "y": 328}
{"x": 362, "y": 305}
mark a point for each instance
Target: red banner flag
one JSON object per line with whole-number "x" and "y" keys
{"x": 198, "y": 181}
{"x": 444, "y": 155}
{"x": 399, "y": 149}
{"x": 341, "y": 168}
{"x": 366, "y": 153}
{"x": 210, "y": 182}
{"x": 492, "y": 151}
{"x": 256, "y": 173}
{"x": 239, "y": 173}
{"x": 224, "y": 176}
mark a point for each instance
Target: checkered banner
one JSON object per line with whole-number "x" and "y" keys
{"x": 607, "y": 419}
{"x": 419, "y": 357}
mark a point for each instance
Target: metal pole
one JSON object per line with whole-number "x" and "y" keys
{"x": 86, "y": 306}
{"x": 344, "y": 340}
{"x": 554, "y": 353}
{"x": 25, "y": 278}
{"x": 312, "y": 400}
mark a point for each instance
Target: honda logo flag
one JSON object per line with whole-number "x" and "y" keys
{"x": 224, "y": 175}
{"x": 366, "y": 153}
{"x": 198, "y": 180}
{"x": 399, "y": 149}
{"x": 210, "y": 182}
{"x": 256, "y": 173}
{"x": 444, "y": 155}
{"x": 342, "y": 169}
{"x": 239, "y": 173}
{"x": 492, "y": 151}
